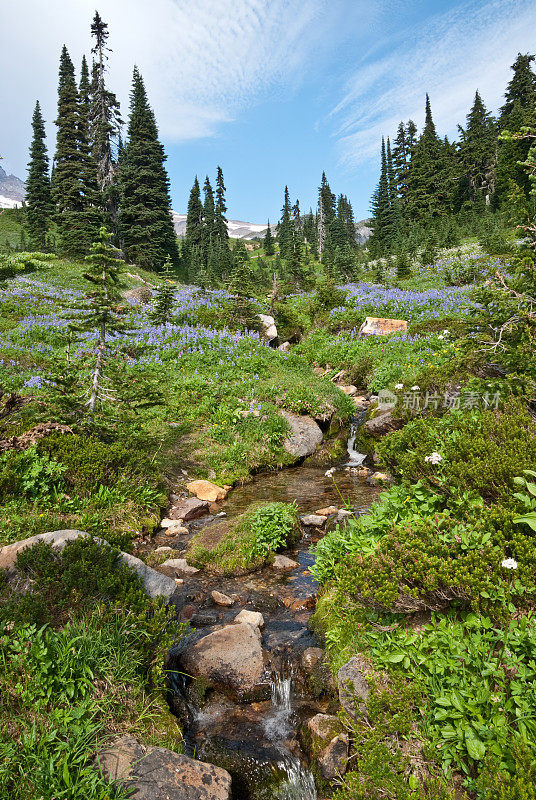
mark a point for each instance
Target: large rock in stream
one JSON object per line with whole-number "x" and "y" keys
{"x": 231, "y": 659}
{"x": 305, "y": 435}
{"x": 155, "y": 773}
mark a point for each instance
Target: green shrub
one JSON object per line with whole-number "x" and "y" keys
{"x": 88, "y": 462}
{"x": 70, "y": 581}
{"x": 480, "y": 451}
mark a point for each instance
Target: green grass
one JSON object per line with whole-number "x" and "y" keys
{"x": 245, "y": 543}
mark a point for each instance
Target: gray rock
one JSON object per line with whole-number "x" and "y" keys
{"x": 231, "y": 658}
{"x": 192, "y": 508}
{"x": 284, "y": 347}
{"x": 178, "y": 567}
{"x": 313, "y": 520}
{"x": 268, "y": 326}
{"x": 142, "y": 294}
{"x": 284, "y": 563}
{"x": 305, "y": 435}
{"x": 353, "y": 687}
{"x": 155, "y": 773}
{"x": 382, "y": 424}
{"x": 334, "y": 758}
{"x": 154, "y": 583}
{"x": 254, "y": 618}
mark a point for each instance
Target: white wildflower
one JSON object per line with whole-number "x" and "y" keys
{"x": 440, "y": 336}
{"x": 329, "y": 473}
{"x": 434, "y": 458}
{"x": 509, "y": 563}
{"x": 415, "y": 388}
{"x": 399, "y": 386}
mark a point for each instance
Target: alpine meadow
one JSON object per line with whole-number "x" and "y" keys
{"x": 268, "y": 490}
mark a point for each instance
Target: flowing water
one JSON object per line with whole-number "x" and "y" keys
{"x": 258, "y": 742}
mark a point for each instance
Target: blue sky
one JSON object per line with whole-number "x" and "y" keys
{"x": 273, "y": 90}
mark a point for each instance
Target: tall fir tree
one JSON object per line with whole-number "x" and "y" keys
{"x": 209, "y": 222}
{"x": 38, "y": 191}
{"x": 69, "y": 166}
{"x": 430, "y": 187}
{"x": 477, "y": 153}
{"x": 285, "y": 236}
{"x": 223, "y": 253}
{"x": 145, "y": 222}
{"x": 381, "y": 234}
{"x": 105, "y": 121}
{"x": 520, "y": 99}
{"x": 268, "y": 242}
{"x": 92, "y": 200}
{"x": 326, "y": 213}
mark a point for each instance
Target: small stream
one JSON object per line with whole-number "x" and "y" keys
{"x": 258, "y": 742}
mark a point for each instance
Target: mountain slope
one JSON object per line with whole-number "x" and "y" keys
{"x": 12, "y": 190}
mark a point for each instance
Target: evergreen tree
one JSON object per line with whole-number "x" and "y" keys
{"x": 285, "y": 234}
{"x": 102, "y": 314}
{"x": 268, "y": 241}
{"x": 38, "y": 192}
{"x": 381, "y": 234}
{"x": 194, "y": 217}
{"x": 145, "y": 218}
{"x": 430, "y": 178}
{"x": 92, "y": 201}
{"x": 164, "y": 297}
{"x": 403, "y": 269}
{"x": 209, "y": 222}
{"x": 104, "y": 120}
{"x": 69, "y": 166}
{"x": 326, "y": 213}
{"x": 520, "y": 99}
{"x": 477, "y": 153}
{"x": 223, "y": 253}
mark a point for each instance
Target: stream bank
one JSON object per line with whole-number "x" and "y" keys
{"x": 245, "y": 697}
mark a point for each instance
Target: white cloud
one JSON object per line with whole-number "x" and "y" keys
{"x": 449, "y": 56}
{"x": 202, "y": 61}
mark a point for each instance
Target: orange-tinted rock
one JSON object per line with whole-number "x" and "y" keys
{"x": 380, "y": 326}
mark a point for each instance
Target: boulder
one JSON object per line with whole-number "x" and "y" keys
{"x": 154, "y": 583}
{"x": 192, "y": 508}
{"x": 382, "y": 424}
{"x": 350, "y": 391}
{"x": 284, "y": 347}
{"x": 320, "y": 731}
{"x": 353, "y": 687}
{"x": 305, "y": 435}
{"x": 142, "y": 294}
{"x": 176, "y": 530}
{"x": 230, "y": 658}
{"x": 268, "y": 326}
{"x": 178, "y": 567}
{"x": 313, "y": 520}
{"x": 334, "y": 758}
{"x": 380, "y": 326}
{"x": 164, "y": 550}
{"x": 253, "y": 618}
{"x": 205, "y": 490}
{"x": 221, "y": 599}
{"x": 284, "y": 563}
{"x": 155, "y": 773}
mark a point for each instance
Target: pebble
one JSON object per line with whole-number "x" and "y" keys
{"x": 327, "y": 512}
